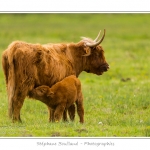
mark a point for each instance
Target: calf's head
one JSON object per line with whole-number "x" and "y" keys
{"x": 40, "y": 92}
{"x": 95, "y": 61}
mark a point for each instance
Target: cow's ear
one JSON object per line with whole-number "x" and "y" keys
{"x": 87, "y": 51}
{"x": 50, "y": 94}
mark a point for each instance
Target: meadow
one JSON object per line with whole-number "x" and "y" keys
{"x": 117, "y": 104}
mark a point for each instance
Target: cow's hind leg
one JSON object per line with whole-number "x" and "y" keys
{"x": 16, "y": 105}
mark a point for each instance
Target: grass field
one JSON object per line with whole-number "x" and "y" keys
{"x": 116, "y": 103}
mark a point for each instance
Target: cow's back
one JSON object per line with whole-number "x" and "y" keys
{"x": 45, "y": 64}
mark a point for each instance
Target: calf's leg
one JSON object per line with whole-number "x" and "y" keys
{"x": 80, "y": 108}
{"x": 51, "y": 114}
{"x": 65, "y": 115}
{"x": 59, "y": 112}
{"x": 71, "y": 112}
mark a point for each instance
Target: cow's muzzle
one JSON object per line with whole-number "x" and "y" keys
{"x": 104, "y": 67}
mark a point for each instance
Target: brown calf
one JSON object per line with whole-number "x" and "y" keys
{"x": 61, "y": 97}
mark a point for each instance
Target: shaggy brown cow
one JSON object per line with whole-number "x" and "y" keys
{"x": 61, "y": 96}
{"x": 27, "y": 66}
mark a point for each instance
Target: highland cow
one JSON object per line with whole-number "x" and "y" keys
{"x": 27, "y": 66}
{"x": 61, "y": 97}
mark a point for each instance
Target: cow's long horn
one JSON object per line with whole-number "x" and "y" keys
{"x": 96, "y": 43}
{"x": 97, "y": 36}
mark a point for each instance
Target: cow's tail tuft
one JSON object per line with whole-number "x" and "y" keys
{"x": 8, "y": 68}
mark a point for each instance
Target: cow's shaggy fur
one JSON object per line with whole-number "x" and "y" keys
{"x": 27, "y": 66}
{"x": 61, "y": 96}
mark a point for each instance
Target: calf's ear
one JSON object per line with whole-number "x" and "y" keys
{"x": 50, "y": 94}
{"x": 39, "y": 91}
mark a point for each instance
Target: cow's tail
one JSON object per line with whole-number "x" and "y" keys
{"x": 8, "y": 68}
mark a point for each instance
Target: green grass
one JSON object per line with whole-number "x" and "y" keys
{"x": 116, "y": 103}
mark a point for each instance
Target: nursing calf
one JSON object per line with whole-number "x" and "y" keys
{"x": 61, "y": 97}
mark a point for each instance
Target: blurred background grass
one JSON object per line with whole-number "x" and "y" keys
{"x": 116, "y": 103}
